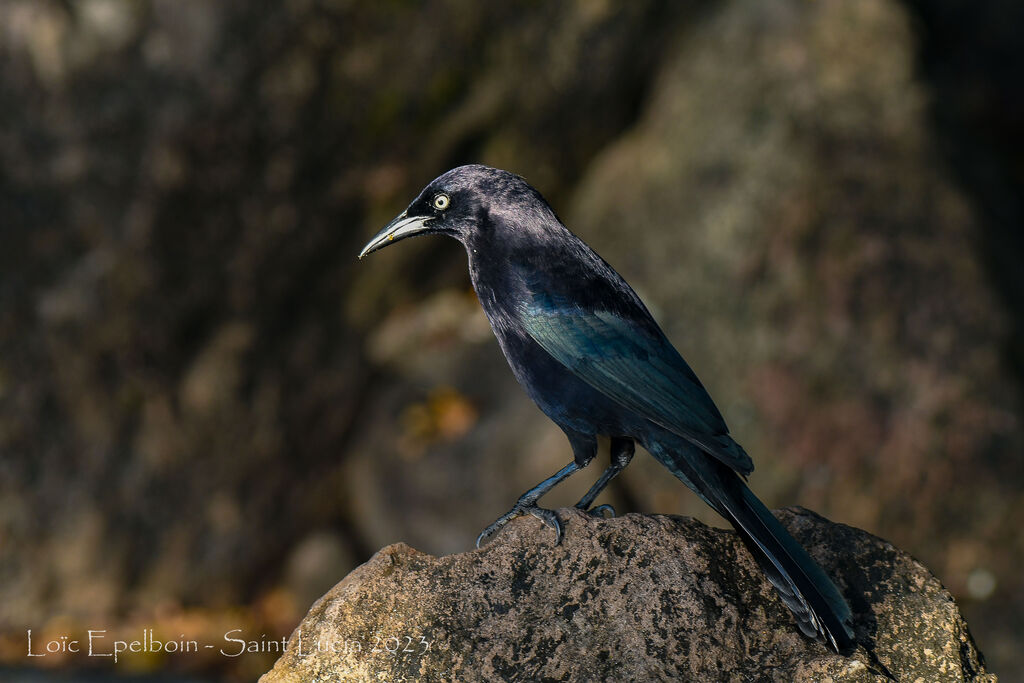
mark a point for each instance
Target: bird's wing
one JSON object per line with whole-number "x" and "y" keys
{"x": 639, "y": 369}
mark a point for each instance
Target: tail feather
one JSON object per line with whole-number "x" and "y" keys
{"x": 804, "y": 588}
{"x": 815, "y": 601}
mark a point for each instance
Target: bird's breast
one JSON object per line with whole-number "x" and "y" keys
{"x": 561, "y": 395}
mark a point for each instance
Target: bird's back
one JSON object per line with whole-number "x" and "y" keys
{"x": 556, "y": 306}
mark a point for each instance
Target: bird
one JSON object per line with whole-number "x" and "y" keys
{"x": 585, "y": 348}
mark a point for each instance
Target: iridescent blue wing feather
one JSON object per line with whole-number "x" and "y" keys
{"x": 638, "y": 368}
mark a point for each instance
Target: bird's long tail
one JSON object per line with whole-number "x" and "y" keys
{"x": 819, "y": 608}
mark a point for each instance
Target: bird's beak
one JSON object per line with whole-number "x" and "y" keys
{"x": 403, "y": 226}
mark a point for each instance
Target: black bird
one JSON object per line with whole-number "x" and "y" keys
{"x": 588, "y": 352}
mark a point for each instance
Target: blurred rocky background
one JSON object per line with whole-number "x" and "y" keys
{"x": 210, "y": 411}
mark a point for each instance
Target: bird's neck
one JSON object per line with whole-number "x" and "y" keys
{"x": 496, "y": 278}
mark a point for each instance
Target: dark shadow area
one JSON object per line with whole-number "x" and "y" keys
{"x": 972, "y": 57}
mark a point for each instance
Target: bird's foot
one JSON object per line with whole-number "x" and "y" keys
{"x": 599, "y": 511}
{"x": 547, "y": 516}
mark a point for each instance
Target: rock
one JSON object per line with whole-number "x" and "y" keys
{"x": 633, "y": 598}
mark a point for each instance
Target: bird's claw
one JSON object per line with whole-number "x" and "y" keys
{"x": 599, "y": 510}
{"x": 547, "y": 516}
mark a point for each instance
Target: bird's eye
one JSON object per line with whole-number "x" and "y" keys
{"x": 441, "y": 202}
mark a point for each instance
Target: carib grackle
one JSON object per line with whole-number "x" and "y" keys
{"x": 588, "y": 352}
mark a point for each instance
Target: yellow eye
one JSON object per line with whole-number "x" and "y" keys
{"x": 441, "y": 202}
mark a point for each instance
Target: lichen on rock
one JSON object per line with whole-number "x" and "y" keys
{"x": 633, "y": 598}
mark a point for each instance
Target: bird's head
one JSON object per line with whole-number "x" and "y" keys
{"x": 460, "y": 203}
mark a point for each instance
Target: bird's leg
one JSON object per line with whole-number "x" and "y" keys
{"x": 584, "y": 449}
{"x": 621, "y": 453}
{"x": 527, "y": 505}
